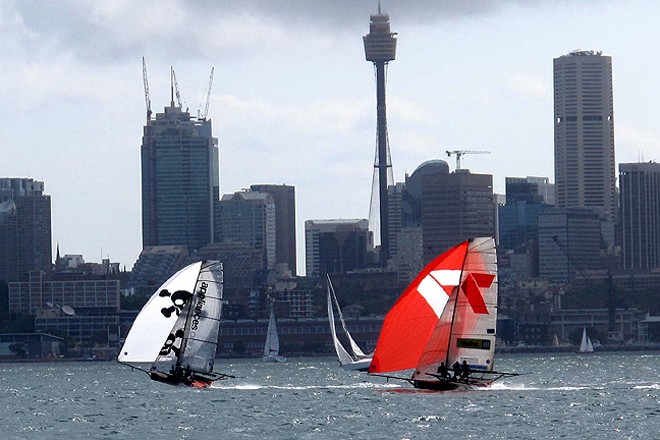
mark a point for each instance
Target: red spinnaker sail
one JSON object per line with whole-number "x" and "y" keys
{"x": 413, "y": 318}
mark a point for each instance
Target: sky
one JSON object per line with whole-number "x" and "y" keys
{"x": 293, "y": 99}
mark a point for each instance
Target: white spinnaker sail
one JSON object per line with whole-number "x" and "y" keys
{"x": 272, "y": 347}
{"x": 157, "y": 319}
{"x": 201, "y": 326}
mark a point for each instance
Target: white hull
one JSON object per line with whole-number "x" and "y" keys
{"x": 361, "y": 365}
{"x": 274, "y": 359}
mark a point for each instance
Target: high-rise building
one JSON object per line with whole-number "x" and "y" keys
{"x": 285, "y": 222}
{"x": 584, "y": 132}
{"x": 25, "y": 228}
{"x": 640, "y": 215}
{"x": 455, "y": 207}
{"x": 337, "y": 246}
{"x": 518, "y": 218}
{"x": 380, "y": 49}
{"x": 569, "y": 242}
{"x": 180, "y": 179}
{"x": 248, "y": 217}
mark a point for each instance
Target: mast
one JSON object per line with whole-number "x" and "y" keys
{"x": 453, "y": 312}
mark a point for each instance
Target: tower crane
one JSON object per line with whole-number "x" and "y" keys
{"x": 459, "y": 153}
{"x": 175, "y": 90}
{"x": 204, "y": 114}
{"x": 147, "y": 98}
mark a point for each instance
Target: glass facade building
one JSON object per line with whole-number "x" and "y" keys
{"x": 180, "y": 180}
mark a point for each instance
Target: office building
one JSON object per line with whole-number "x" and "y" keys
{"x": 640, "y": 215}
{"x": 248, "y": 217}
{"x": 569, "y": 242}
{"x": 584, "y": 133}
{"x": 25, "y": 228}
{"x": 284, "y": 197}
{"x": 455, "y": 207}
{"x": 180, "y": 180}
{"x": 337, "y": 246}
{"x": 518, "y": 218}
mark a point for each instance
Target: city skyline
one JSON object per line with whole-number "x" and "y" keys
{"x": 475, "y": 76}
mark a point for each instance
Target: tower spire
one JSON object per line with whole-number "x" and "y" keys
{"x": 380, "y": 49}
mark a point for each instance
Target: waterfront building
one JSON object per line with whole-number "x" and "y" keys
{"x": 584, "y": 133}
{"x": 455, "y": 207}
{"x": 180, "y": 179}
{"x": 284, "y": 197}
{"x": 25, "y": 228}
{"x": 337, "y": 246}
{"x": 640, "y": 215}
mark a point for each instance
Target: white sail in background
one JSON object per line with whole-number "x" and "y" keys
{"x": 272, "y": 346}
{"x": 586, "y": 346}
{"x": 355, "y": 359}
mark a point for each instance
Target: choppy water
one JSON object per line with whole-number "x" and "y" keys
{"x": 600, "y": 396}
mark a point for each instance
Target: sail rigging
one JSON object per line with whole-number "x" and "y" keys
{"x": 447, "y": 315}
{"x": 177, "y": 329}
{"x": 352, "y": 358}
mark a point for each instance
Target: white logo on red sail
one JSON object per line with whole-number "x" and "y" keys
{"x": 438, "y": 285}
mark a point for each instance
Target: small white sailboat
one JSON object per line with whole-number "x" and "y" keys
{"x": 351, "y": 358}
{"x": 446, "y": 319}
{"x": 174, "y": 337}
{"x": 272, "y": 347}
{"x": 585, "y": 345}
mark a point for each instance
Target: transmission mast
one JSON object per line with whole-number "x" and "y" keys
{"x": 459, "y": 153}
{"x": 147, "y": 98}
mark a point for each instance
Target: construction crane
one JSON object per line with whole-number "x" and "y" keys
{"x": 459, "y": 153}
{"x": 204, "y": 114}
{"x": 175, "y": 90}
{"x": 147, "y": 98}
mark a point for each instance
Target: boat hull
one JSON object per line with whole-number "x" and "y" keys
{"x": 452, "y": 385}
{"x": 361, "y": 365}
{"x": 274, "y": 359}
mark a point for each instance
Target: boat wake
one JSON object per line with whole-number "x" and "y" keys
{"x": 250, "y": 387}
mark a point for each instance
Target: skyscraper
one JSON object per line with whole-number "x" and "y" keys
{"x": 248, "y": 217}
{"x": 380, "y": 49}
{"x": 25, "y": 228}
{"x": 640, "y": 215}
{"x": 337, "y": 246}
{"x": 285, "y": 222}
{"x": 584, "y": 132}
{"x": 455, "y": 207}
{"x": 180, "y": 179}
